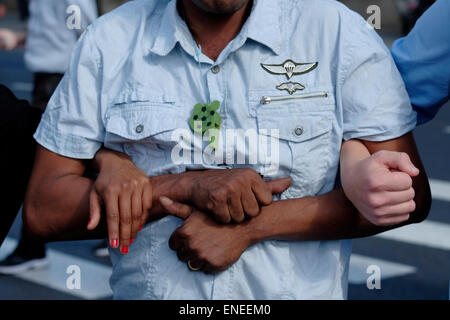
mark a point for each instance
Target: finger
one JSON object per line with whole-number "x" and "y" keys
{"x": 398, "y": 160}
{"x": 183, "y": 254}
{"x": 396, "y": 197}
{"x": 95, "y": 209}
{"x": 279, "y": 185}
{"x": 235, "y": 209}
{"x": 196, "y": 263}
{"x": 136, "y": 213}
{"x": 262, "y": 192}
{"x": 393, "y": 220}
{"x": 396, "y": 181}
{"x": 398, "y": 209}
{"x": 209, "y": 269}
{"x": 222, "y": 213}
{"x": 125, "y": 221}
{"x": 249, "y": 203}
{"x": 175, "y": 242}
{"x": 112, "y": 219}
{"x": 147, "y": 194}
{"x": 176, "y": 209}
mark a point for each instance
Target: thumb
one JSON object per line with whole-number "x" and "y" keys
{"x": 279, "y": 185}
{"x": 95, "y": 209}
{"x": 176, "y": 209}
{"x": 399, "y": 161}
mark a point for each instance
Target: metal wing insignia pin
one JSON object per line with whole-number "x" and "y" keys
{"x": 290, "y": 68}
{"x": 291, "y": 87}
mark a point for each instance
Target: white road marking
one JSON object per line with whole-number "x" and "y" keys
{"x": 94, "y": 276}
{"x": 440, "y": 189}
{"x": 358, "y": 269}
{"x": 428, "y": 233}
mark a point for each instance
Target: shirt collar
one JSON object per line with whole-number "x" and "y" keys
{"x": 262, "y": 26}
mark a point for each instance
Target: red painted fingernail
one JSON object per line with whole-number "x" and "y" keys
{"x": 140, "y": 228}
{"x": 114, "y": 243}
{"x": 89, "y": 222}
{"x": 131, "y": 240}
{"x": 124, "y": 250}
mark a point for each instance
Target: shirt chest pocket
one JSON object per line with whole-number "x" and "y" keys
{"x": 143, "y": 128}
{"x": 304, "y": 130}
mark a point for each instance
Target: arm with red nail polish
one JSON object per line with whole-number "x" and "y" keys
{"x": 62, "y": 204}
{"x": 122, "y": 194}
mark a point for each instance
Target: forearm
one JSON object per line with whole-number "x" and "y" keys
{"x": 327, "y": 217}
{"x": 352, "y": 151}
{"x": 175, "y": 186}
{"x": 60, "y": 212}
{"x": 57, "y": 206}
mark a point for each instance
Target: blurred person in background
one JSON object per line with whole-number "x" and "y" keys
{"x": 410, "y": 11}
{"x": 423, "y": 59}
{"x": 2, "y": 9}
{"x": 19, "y": 120}
{"x": 49, "y": 43}
{"x": 24, "y": 11}
{"x": 22, "y": 6}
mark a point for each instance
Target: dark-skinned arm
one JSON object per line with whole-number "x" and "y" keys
{"x": 56, "y": 205}
{"x": 331, "y": 216}
{"x": 60, "y": 200}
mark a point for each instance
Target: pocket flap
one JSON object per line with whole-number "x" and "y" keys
{"x": 137, "y": 122}
{"x": 293, "y": 127}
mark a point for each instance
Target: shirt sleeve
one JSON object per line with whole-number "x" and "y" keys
{"x": 423, "y": 58}
{"x": 72, "y": 124}
{"x": 375, "y": 104}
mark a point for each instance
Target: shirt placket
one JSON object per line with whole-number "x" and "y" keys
{"x": 216, "y": 87}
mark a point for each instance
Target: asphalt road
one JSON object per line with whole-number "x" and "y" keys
{"x": 414, "y": 262}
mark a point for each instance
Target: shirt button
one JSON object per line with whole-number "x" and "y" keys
{"x": 298, "y": 131}
{"x": 215, "y": 69}
{"x": 139, "y": 128}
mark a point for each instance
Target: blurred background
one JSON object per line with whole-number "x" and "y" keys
{"x": 414, "y": 260}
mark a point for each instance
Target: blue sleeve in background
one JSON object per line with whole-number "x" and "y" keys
{"x": 423, "y": 58}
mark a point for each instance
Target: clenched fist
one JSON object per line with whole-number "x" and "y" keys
{"x": 381, "y": 187}
{"x": 233, "y": 195}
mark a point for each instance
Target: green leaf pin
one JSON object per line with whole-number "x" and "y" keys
{"x": 205, "y": 117}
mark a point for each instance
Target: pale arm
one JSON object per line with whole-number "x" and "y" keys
{"x": 380, "y": 185}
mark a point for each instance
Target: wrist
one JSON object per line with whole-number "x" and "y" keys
{"x": 257, "y": 229}
{"x": 105, "y": 158}
{"x": 250, "y": 235}
{"x": 177, "y": 187}
{"x": 352, "y": 153}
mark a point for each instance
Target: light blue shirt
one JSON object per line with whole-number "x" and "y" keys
{"x": 423, "y": 58}
{"x": 50, "y": 38}
{"x": 133, "y": 82}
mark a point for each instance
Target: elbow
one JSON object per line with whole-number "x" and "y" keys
{"x": 423, "y": 205}
{"x": 33, "y": 220}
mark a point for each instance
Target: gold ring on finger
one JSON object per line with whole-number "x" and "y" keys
{"x": 191, "y": 267}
